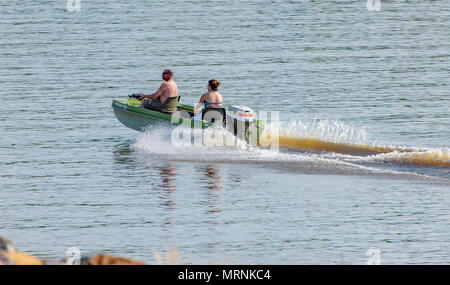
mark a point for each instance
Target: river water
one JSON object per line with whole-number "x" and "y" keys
{"x": 72, "y": 176}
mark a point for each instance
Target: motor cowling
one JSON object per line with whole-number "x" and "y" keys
{"x": 239, "y": 119}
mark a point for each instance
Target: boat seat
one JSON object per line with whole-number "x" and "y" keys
{"x": 212, "y": 114}
{"x": 168, "y": 107}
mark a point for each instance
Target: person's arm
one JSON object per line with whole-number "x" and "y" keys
{"x": 155, "y": 95}
{"x": 198, "y": 106}
{"x": 220, "y": 98}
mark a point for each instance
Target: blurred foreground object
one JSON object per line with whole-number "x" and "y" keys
{"x": 111, "y": 260}
{"x": 9, "y": 255}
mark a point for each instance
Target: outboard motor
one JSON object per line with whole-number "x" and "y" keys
{"x": 239, "y": 119}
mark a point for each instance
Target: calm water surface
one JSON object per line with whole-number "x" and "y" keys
{"x": 72, "y": 175}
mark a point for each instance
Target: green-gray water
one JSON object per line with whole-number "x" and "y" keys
{"x": 72, "y": 176}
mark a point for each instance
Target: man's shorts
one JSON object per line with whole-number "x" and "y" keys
{"x": 152, "y": 104}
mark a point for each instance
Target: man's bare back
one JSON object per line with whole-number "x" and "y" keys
{"x": 167, "y": 89}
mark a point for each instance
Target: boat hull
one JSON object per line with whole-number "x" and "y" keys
{"x": 136, "y": 121}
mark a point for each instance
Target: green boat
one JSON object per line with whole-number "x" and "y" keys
{"x": 238, "y": 120}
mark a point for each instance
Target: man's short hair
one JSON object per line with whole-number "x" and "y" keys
{"x": 168, "y": 71}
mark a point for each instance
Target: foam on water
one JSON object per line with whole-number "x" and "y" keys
{"x": 433, "y": 157}
{"x": 322, "y": 157}
{"x": 160, "y": 141}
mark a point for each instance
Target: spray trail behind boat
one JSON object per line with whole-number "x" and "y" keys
{"x": 335, "y": 137}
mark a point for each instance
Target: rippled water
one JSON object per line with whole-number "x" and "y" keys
{"x": 72, "y": 175}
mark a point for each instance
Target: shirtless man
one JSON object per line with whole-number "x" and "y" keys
{"x": 167, "y": 90}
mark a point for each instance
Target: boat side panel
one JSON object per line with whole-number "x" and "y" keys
{"x": 136, "y": 121}
{"x": 129, "y": 113}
